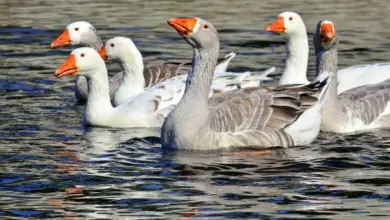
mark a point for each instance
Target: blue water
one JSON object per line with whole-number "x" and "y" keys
{"x": 53, "y": 167}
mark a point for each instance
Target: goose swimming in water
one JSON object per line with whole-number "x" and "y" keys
{"x": 252, "y": 117}
{"x": 361, "y": 108}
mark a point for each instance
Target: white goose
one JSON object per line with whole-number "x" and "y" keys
{"x": 145, "y": 110}
{"x": 361, "y": 108}
{"x": 84, "y": 33}
{"x": 133, "y": 82}
{"x": 291, "y": 25}
{"x": 252, "y": 117}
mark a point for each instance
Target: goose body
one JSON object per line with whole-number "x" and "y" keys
{"x": 83, "y": 33}
{"x": 292, "y": 27}
{"x": 250, "y": 117}
{"x": 362, "y": 108}
{"x": 359, "y": 75}
{"x": 147, "y": 109}
{"x": 356, "y": 109}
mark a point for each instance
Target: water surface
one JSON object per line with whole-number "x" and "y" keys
{"x": 52, "y": 167}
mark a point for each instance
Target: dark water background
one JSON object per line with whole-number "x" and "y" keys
{"x": 51, "y": 167}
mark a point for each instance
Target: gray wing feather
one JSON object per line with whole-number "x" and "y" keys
{"x": 367, "y": 102}
{"x": 160, "y": 73}
{"x": 257, "y": 117}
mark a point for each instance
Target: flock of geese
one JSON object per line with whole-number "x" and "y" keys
{"x": 201, "y": 106}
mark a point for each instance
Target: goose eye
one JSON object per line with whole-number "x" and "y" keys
{"x": 290, "y": 18}
{"x": 76, "y": 29}
{"x": 82, "y": 55}
{"x": 205, "y": 26}
{"x": 112, "y": 45}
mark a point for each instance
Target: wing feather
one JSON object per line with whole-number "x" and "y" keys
{"x": 258, "y": 116}
{"x": 160, "y": 73}
{"x": 367, "y": 102}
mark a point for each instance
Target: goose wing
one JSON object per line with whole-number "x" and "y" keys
{"x": 258, "y": 117}
{"x": 368, "y": 102}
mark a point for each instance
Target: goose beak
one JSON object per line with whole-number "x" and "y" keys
{"x": 277, "y": 26}
{"x": 62, "y": 40}
{"x": 68, "y": 68}
{"x": 185, "y": 26}
{"x": 327, "y": 32}
{"x": 102, "y": 53}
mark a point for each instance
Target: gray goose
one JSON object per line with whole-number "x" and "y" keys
{"x": 251, "y": 117}
{"x": 357, "y": 109}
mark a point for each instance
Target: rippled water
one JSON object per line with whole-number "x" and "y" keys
{"x": 52, "y": 167}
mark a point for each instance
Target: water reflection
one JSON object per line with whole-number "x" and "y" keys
{"x": 52, "y": 167}
{"x": 96, "y": 140}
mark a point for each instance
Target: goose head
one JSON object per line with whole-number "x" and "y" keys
{"x": 325, "y": 45}
{"x": 325, "y": 36}
{"x": 288, "y": 24}
{"x": 120, "y": 48}
{"x": 77, "y": 33}
{"x": 82, "y": 61}
{"x": 197, "y": 32}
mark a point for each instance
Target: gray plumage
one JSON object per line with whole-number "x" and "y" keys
{"x": 250, "y": 117}
{"x": 355, "y": 109}
{"x": 366, "y": 102}
{"x": 257, "y": 117}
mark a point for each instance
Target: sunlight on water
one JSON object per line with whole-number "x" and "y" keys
{"x": 52, "y": 167}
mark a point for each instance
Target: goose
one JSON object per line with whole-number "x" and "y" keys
{"x": 84, "y": 33}
{"x": 124, "y": 50}
{"x": 357, "y": 109}
{"x": 250, "y": 117}
{"x": 147, "y": 109}
{"x": 292, "y": 27}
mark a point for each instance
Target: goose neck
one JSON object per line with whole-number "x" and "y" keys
{"x": 192, "y": 111}
{"x": 297, "y": 50}
{"x": 98, "y": 96}
{"x": 326, "y": 61}
{"x": 200, "y": 78}
{"x": 94, "y": 41}
{"x": 132, "y": 82}
{"x": 133, "y": 74}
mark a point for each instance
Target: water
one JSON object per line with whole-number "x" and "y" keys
{"x": 52, "y": 167}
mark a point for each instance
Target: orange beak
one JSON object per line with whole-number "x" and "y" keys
{"x": 68, "y": 68}
{"x": 277, "y": 26}
{"x": 62, "y": 40}
{"x": 185, "y": 26}
{"x": 102, "y": 53}
{"x": 327, "y": 31}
